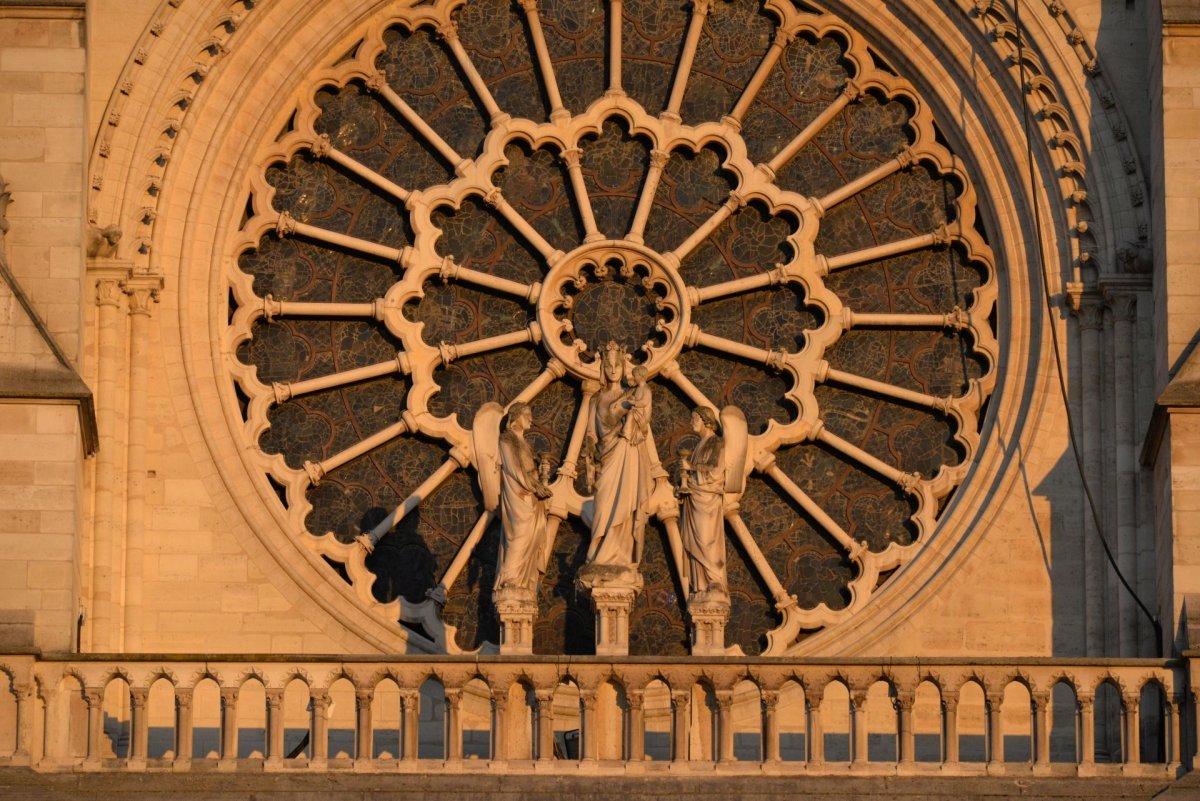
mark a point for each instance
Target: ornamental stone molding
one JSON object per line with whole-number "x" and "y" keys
{"x": 262, "y": 104}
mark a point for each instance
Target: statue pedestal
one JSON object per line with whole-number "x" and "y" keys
{"x": 709, "y": 612}
{"x": 613, "y": 590}
{"x": 517, "y": 609}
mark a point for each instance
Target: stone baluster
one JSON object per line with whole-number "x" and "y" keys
{"x": 183, "y": 726}
{"x": 770, "y": 705}
{"x": 275, "y": 753}
{"x": 500, "y": 725}
{"x": 858, "y": 725}
{"x": 229, "y": 724}
{"x": 139, "y": 698}
{"x": 950, "y": 727}
{"x": 908, "y": 739}
{"x": 454, "y": 734}
{"x": 995, "y": 728}
{"x": 364, "y": 737}
{"x": 816, "y": 733}
{"x": 680, "y": 701}
{"x": 545, "y": 724}
{"x": 410, "y": 701}
{"x": 1087, "y": 723}
{"x": 1132, "y": 752}
{"x": 1175, "y": 732}
{"x": 591, "y": 739}
{"x": 1043, "y": 710}
{"x": 320, "y": 728}
{"x": 724, "y": 750}
{"x": 95, "y": 723}
{"x": 637, "y": 725}
{"x": 24, "y": 745}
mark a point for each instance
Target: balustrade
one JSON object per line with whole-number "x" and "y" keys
{"x": 58, "y": 701}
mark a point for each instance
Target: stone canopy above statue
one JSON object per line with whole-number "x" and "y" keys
{"x": 568, "y": 353}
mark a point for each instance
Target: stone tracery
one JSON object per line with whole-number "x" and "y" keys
{"x": 802, "y": 268}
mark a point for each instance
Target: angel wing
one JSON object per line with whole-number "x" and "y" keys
{"x": 735, "y": 434}
{"x": 485, "y": 442}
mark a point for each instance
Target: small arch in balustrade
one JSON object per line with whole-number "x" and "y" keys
{"x": 161, "y": 717}
{"x": 1108, "y": 722}
{"x": 431, "y": 719}
{"x": 791, "y": 722}
{"x": 69, "y": 705}
{"x": 658, "y": 717}
{"x": 520, "y": 720}
{"x": 252, "y": 718}
{"x": 476, "y": 719}
{"x": 297, "y": 719}
{"x": 746, "y": 718}
{"x": 342, "y": 720}
{"x": 882, "y": 722}
{"x": 387, "y": 721}
{"x": 1016, "y": 722}
{"x": 611, "y": 722}
{"x": 8, "y": 713}
{"x": 703, "y": 723}
{"x": 928, "y": 723}
{"x": 117, "y": 722}
{"x": 836, "y": 720}
{"x": 206, "y": 718}
{"x": 1064, "y": 722}
{"x": 1152, "y": 722}
{"x": 567, "y": 709}
{"x": 972, "y": 722}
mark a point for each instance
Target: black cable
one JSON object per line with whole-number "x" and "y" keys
{"x": 1058, "y": 360}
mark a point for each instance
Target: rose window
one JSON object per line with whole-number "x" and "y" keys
{"x": 474, "y": 200}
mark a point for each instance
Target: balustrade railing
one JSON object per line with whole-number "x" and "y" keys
{"x": 420, "y": 714}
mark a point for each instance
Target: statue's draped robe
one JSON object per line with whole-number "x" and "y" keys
{"x": 522, "y": 515}
{"x": 703, "y": 529}
{"x": 622, "y": 486}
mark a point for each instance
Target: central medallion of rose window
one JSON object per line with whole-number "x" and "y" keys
{"x": 471, "y": 203}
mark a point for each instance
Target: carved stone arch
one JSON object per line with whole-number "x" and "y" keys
{"x": 252, "y": 674}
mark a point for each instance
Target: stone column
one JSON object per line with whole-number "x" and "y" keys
{"x": 1091, "y": 319}
{"x": 1042, "y": 720}
{"x": 320, "y": 729}
{"x": 950, "y": 727}
{"x": 1174, "y": 734}
{"x": 858, "y": 726}
{"x": 613, "y": 592}
{"x": 591, "y": 739}
{"x": 143, "y": 291}
{"x": 637, "y": 725}
{"x": 229, "y": 724}
{"x": 454, "y": 733}
{"x": 995, "y": 728}
{"x": 110, "y": 357}
{"x": 723, "y": 751}
{"x": 410, "y": 704}
{"x": 275, "y": 726}
{"x": 24, "y": 745}
{"x": 139, "y": 698}
{"x": 816, "y": 734}
{"x": 1087, "y": 737}
{"x": 500, "y": 726}
{"x": 545, "y": 728}
{"x": 95, "y": 723}
{"x": 364, "y": 737}
{"x": 1132, "y": 752}
{"x": 770, "y": 703}
{"x": 1124, "y": 311}
{"x": 183, "y": 727}
{"x": 908, "y": 740}
{"x": 680, "y": 701}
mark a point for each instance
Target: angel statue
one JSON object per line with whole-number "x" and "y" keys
{"x": 703, "y": 492}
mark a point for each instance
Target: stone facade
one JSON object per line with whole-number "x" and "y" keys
{"x": 158, "y": 119}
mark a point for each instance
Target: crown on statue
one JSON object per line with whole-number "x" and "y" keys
{"x": 614, "y": 353}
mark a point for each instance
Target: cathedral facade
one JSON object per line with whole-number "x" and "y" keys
{"x": 601, "y": 385}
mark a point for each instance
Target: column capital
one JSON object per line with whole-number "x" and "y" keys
{"x": 93, "y": 696}
{"x": 139, "y": 697}
{"x": 770, "y": 699}
{"x": 143, "y": 290}
{"x": 635, "y": 698}
{"x": 183, "y": 697}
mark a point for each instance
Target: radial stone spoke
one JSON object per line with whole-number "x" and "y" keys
{"x": 285, "y": 308}
{"x": 740, "y": 285}
{"x": 814, "y": 511}
{"x": 906, "y": 481}
{"x": 288, "y": 226}
{"x": 323, "y": 149}
{"x": 616, "y": 12}
{"x": 571, "y": 157}
{"x": 370, "y": 539}
{"x": 902, "y": 161}
{"x": 465, "y": 551}
{"x": 940, "y": 237}
{"x": 770, "y": 59}
{"x": 450, "y": 352}
{"x": 451, "y": 271}
{"x": 673, "y": 373}
{"x": 675, "y": 540}
{"x": 554, "y": 371}
{"x": 849, "y": 93}
{"x": 497, "y": 201}
{"x": 706, "y": 228}
{"x": 658, "y": 160}
{"x": 886, "y": 389}
{"x": 771, "y": 358}
{"x": 683, "y": 69}
{"x": 317, "y": 470}
{"x": 378, "y": 84}
{"x": 545, "y": 65}
{"x": 286, "y": 390}
{"x": 956, "y": 319}
{"x": 575, "y": 445}
{"x": 449, "y": 34}
{"x": 761, "y": 565}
